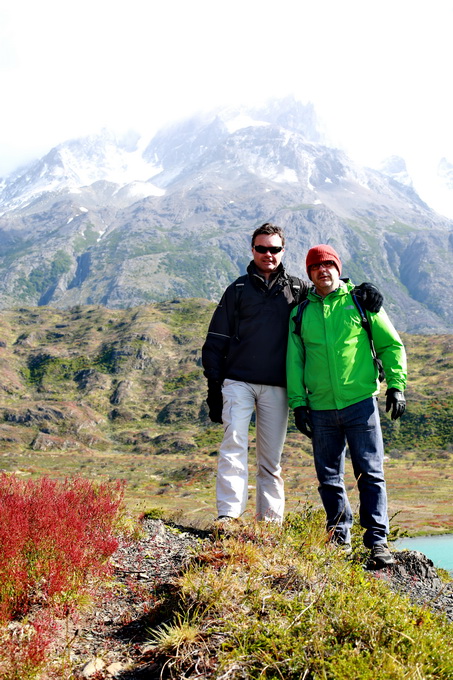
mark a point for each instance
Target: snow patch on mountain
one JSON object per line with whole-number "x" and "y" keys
{"x": 81, "y": 163}
{"x": 112, "y": 164}
{"x": 288, "y": 175}
{"x": 242, "y": 121}
{"x": 140, "y": 190}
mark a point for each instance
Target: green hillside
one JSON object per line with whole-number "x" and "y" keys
{"x": 120, "y": 394}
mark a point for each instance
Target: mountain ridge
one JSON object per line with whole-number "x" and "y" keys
{"x": 120, "y": 222}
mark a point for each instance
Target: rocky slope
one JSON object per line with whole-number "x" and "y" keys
{"x": 93, "y": 379}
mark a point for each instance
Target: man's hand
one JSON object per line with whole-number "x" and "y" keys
{"x": 395, "y": 401}
{"x": 215, "y": 400}
{"x": 370, "y": 296}
{"x": 302, "y": 421}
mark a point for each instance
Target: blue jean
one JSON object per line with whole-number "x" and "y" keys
{"x": 358, "y": 426}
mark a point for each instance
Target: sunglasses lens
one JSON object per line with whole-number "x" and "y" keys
{"x": 328, "y": 264}
{"x": 268, "y": 249}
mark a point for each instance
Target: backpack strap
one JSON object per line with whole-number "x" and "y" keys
{"x": 298, "y": 317}
{"x": 366, "y": 325}
{"x": 295, "y": 284}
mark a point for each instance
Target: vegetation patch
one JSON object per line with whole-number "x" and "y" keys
{"x": 40, "y": 366}
{"x": 42, "y": 278}
{"x": 55, "y": 537}
{"x": 271, "y": 602}
{"x": 88, "y": 238}
{"x": 182, "y": 381}
{"x": 202, "y": 270}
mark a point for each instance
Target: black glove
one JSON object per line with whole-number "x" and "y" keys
{"x": 302, "y": 420}
{"x": 215, "y": 400}
{"x": 370, "y": 296}
{"x": 395, "y": 401}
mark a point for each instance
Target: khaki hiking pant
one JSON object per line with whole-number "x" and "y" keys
{"x": 240, "y": 399}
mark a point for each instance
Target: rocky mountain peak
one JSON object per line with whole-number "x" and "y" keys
{"x": 395, "y": 167}
{"x": 445, "y": 172}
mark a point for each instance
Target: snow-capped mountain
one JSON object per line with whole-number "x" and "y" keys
{"x": 445, "y": 172}
{"x": 395, "y": 167}
{"x": 435, "y": 188}
{"x": 81, "y": 162}
{"x": 125, "y": 221}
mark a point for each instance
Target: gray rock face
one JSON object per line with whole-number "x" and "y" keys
{"x": 121, "y": 392}
{"x": 415, "y": 575}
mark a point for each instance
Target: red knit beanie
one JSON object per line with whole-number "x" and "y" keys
{"x": 322, "y": 253}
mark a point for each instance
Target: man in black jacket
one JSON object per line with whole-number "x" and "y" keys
{"x": 244, "y": 358}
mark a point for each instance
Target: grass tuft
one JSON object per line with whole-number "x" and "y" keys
{"x": 182, "y": 634}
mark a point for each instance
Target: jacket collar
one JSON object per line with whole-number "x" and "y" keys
{"x": 279, "y": 272}
{"x": 344, "y": 288}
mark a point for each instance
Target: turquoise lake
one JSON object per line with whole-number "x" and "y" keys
{"x": 439, "y": 549}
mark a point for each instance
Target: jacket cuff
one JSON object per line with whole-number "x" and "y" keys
{"x": 294, "y": 403}
{"x": 392, "y": 384}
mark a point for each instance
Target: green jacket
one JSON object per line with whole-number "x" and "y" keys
{"x": 330, "y": 365}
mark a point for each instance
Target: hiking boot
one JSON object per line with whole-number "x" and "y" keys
{"x": 380, "y": 557}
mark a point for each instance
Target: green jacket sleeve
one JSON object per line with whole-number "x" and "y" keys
{"x": 295, "y": 360}
{"x": 389, "y": 349}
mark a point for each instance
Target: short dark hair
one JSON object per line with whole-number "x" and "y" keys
{"x": 268, "y": 229}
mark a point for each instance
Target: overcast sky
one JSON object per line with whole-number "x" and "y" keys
{"x": 378, "y": 72}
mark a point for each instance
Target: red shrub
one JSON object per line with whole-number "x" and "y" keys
{"x": 24, "y": 647}
{"x": 53, "y": 535}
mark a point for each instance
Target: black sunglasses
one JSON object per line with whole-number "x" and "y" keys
{"x": 326, "y": 264}
{"x": 273, "y": 250}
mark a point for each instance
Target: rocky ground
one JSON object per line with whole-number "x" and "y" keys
{"x": 114, "y": 640}
{"x": 115, "y": 637}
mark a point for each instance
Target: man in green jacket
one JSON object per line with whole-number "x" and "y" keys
{"x": 332, "y": 386}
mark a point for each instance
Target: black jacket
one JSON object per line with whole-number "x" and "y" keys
{"x": 248, "y": 333}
